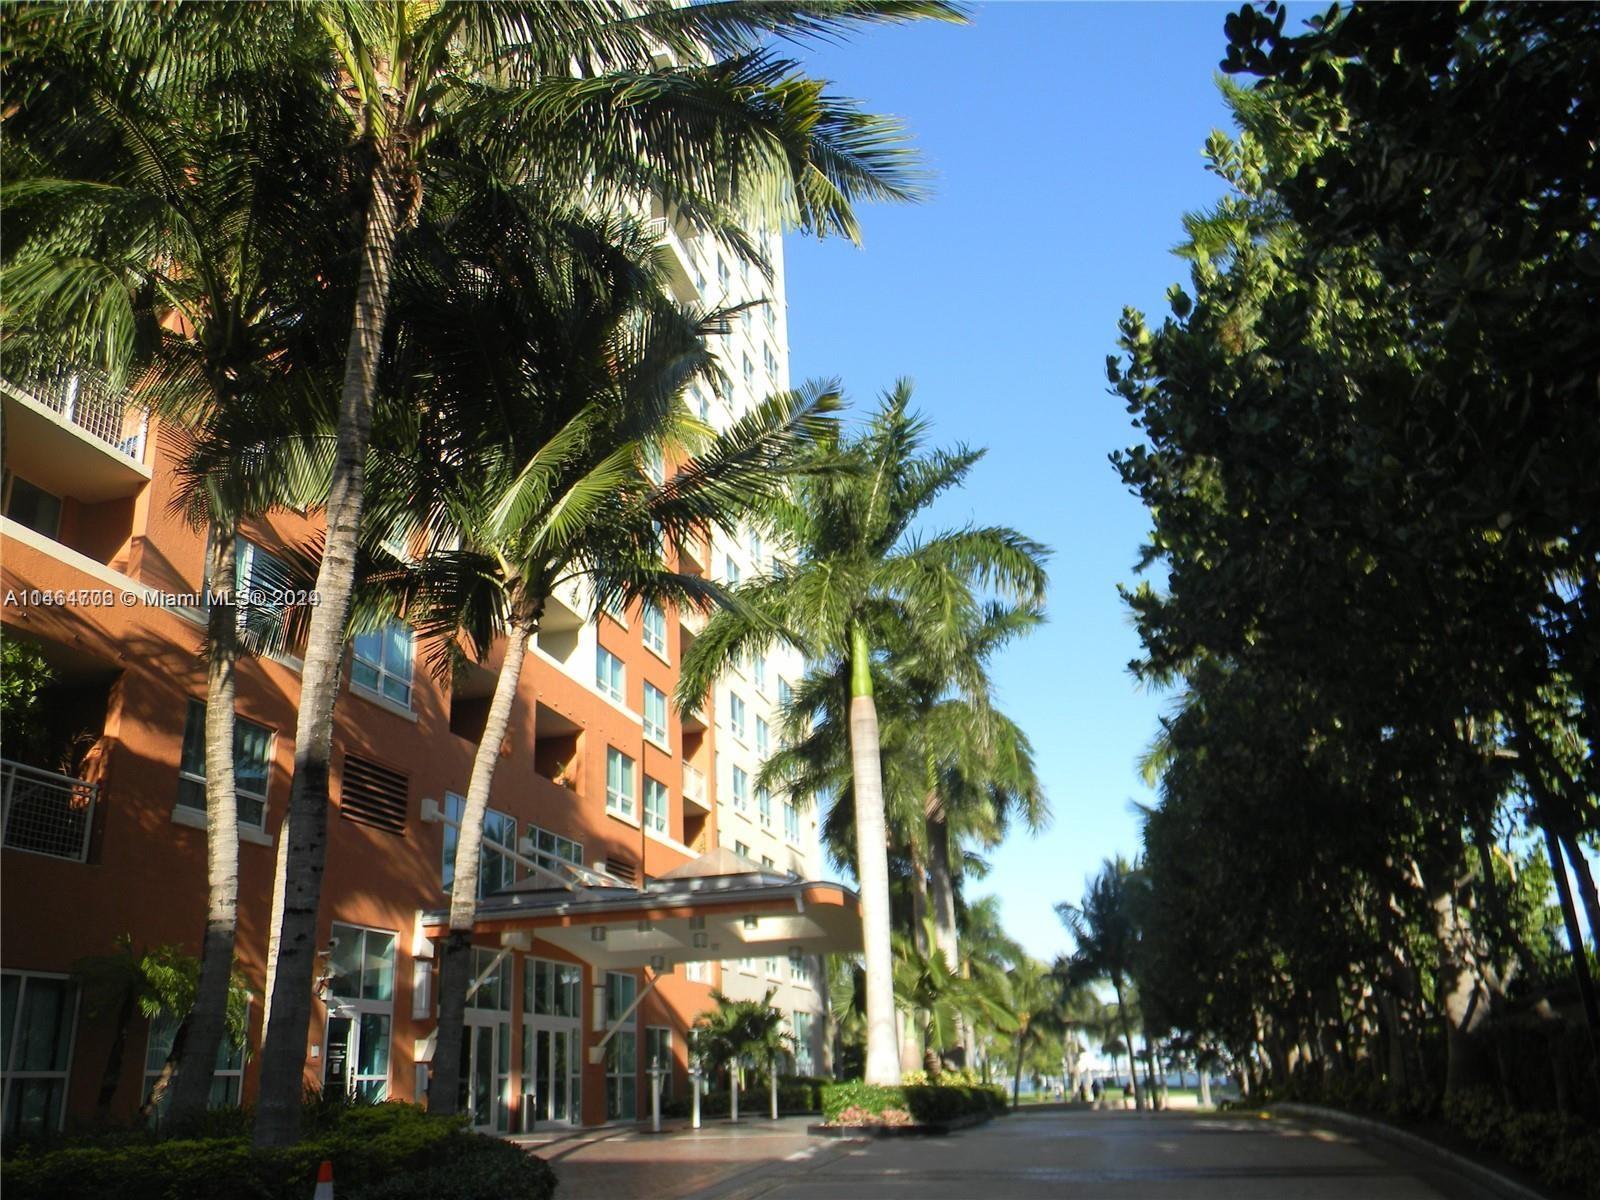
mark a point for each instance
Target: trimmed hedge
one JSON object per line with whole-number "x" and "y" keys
{"x": 1563, "y": 1151}
{"x": 381, "y": 1152}
{"x": 924, "y": 1104}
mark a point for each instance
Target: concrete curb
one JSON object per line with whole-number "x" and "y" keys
{"x": 1481, "y": 1175}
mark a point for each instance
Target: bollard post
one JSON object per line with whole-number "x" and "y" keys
{"x": 694, "y": 1083}
{"x": 655, "y": 1097}
{"x": 733, "y": 1096}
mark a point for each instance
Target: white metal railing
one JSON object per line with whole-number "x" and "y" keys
{"x": 87, "y": 399}
{"x": 46, "y": 813}
{"x": 694, "y": 786}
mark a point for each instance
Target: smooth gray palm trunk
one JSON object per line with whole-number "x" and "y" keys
{"x": 283, "y": 1051}
{"x": 942, "y": 896}
{"x": 872, "y": 871}
{"x": 455, "y": 964}
{"x": 207, "y": 1020}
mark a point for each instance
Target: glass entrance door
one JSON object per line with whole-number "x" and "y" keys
{"x": 485, "y": 1073}
{"x": 551, "y": 1074}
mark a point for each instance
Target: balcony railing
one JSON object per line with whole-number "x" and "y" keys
{"x": 46, "y": 813}
{"x": 694, "y": 787}
{"x": 87, "y": 400}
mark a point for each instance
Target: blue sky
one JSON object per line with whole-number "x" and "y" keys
{"x": 1066, "y": 144}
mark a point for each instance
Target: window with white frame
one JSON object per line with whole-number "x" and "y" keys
{"x": 772, "y": 966}
{"x": 252, "y": 766}
{"x": 552, "y": 989}
{"x": 736, "y": 715}
{"x": 360, "y": 1009}
{"x": 656, "y": 805}
{"x": 40, "y": 1016}
{"x": 771, "y": 361}
{"x": 766, "y": 861}
{"x": 658, "y": 1053}
{"x": 619, "y": 783}
{"x": 804, "y": 1062}
{"x": 609, "y": 678}
{"x": 259, "y": 578}
{"x": 655, "y": 716}
{"x": 741, "y": 788}
{"x": 381, "y": 662}
{"x": 785, "y": 691}
{"x": 622, "y": 1051}
{"x": 730, "y": 569}
{"x": 759, "y": 669}
{"x": 754, "y": 540}
{"x": 496, "y": 868}
{"x": 227, "y": 1079}
{"x": 723, "y": 275}
{"x": 655, "y": 629}
{"x": 655, "y": 466}
{"x": 749, "y": 373}
{"x": 799, "y": 969}
{"x": 554, "y": 844}
{"x": 491, "y": 971}
{"x": 763, "y": 738}
{"x": 697, "y": 972}
{"x": 741, "y": 849}
{"x": 791, "y": 822}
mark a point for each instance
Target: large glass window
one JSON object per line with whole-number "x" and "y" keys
{"x": 655, "y": 629}
{"x": 791, "y": 822}
{"x": 34, "y": 507}
{"x": 381, "y": 662}
{"x": 730, "y": 570}
{"x": 252, "y": 764}
{"x": 619, "y": 783}
{"x": 655, "y": 716}
{"x": 656, "y": 805}
{"x": 737, "y": 715}
{"x": 741, "y": 788}
{"x": 609, "y": 677}
{"x": 785, "y": 691}
{"x": 259, "y": 579}
{"x": 622, "y": 1051}
{"x": 759, "y": 673}
{"x": 554, "y": 844}
{"x": 494, "y": 993}
{"x": 496, "y": 868}
{"x": 226, "y": 1080}
{"x": 362, "y": 963}
{"x": 552, "y": 989}
{"x": 36, "y": 1022}
{"x": 764, "y": 806}
{"x": 763, "y": 738}
{"x": 360, "y": 1011}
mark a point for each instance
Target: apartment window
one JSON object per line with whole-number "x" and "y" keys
{"x": 736, "y": 715}
{"x": 770, "y": 360}
{"x": 361, "y": 1009}
{"x": 785, "y": 691}
{"x": 772, "y": 967}
{"x": 622, "y": 1051}
{"x": 252, "y": 763}
{"x": 655, "y": 629}
{"x": 745, "y": 320}
{"x": 791, "y": 822}
{"x": 257, "y": 575}
{"x": 655, "y": 466}
{"x": 656, "y": 804}
{"x": 766, "y": 861}
{"x": 723, "y": 276}
{"x": 799, "y": 970}
{"x": 555, "y": 845}
{"x": 759, "y": 668}
{"x": 763, "y": 737}
{"x": 697, "y": 972}
{"x": 655, "y": 716}
{"x": 741, "y": 849}
{"x": 741, "y": 789}
{"x": 764, "y": 807}
{"x": 697, "y": 402}
{"x": 227, "y": 1079}
{"x": 608, "y": 675}
{"x": 382, "y": 662}
{"x": 40, "y": 1012}
{"x": 769, "y": 312}
{"x": 804, "y": 1064}
{"x": 658, "y": 1053}
{"x": 496, "y": 868}
{"x": 552, "y": 989}
{"x": 730, "y": 570}
{"x": 619, "y": 783}
{"x": 36, "y": 508}
{"x": 749, "y": 373}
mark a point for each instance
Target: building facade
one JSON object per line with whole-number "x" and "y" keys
{"x": 104, "y": 798}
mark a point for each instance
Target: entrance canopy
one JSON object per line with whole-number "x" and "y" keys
{"x": 716, "y": 907}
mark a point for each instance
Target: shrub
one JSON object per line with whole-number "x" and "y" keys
{"x": 926, "y": 1103}
{"x": 795, "y": 1096}
{"x": 493, "y": 1170}
{"x": 375, "y": 1145}
{"x": 1563, "y": 1151}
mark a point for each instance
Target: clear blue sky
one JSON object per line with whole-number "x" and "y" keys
{"x": 1066, "y": 144}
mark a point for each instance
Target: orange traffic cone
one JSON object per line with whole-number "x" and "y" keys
{"x": 324, "y": 1182}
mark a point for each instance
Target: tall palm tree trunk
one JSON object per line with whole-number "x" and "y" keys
{"x": 1585, "y": 880}
{"x": 941, "y": 886}
{"x": 1127, "y": 1040}
{"x": 1016, "y": 1079}
{"x": 872, "y": 866}
{"x": 208, "y": 1018}
{"x": 283, "y": 1051}
{"x": 455, "y": 964}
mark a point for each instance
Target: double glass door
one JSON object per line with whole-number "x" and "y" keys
{"x": 552, "y": 1069}
{"x": 486, "y": 1072}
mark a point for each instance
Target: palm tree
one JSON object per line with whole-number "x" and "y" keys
{"x": 861, "y": 572}
{"x": 533, "y": 463}
{"x": 740, "y": 1031}
{"x": 220, "y": 324}
{"x": 1034, "y": 996}
{"x": 931, "y": 990}
{"x": 1107, "y": 940}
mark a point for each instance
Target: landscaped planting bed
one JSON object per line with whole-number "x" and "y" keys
{"x": 911, "y": 1108}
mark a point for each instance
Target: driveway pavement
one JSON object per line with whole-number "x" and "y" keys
{"x": 1065, "y": 1155}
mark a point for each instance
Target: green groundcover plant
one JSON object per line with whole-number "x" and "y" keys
{"x": 378, "y": 1152}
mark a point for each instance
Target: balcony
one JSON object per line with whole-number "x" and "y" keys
{"x": 681, "y": 270}
{"x": 694, "y": 789}
{"x": 46, "y": 813}
{"x": 72, "y": 434}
